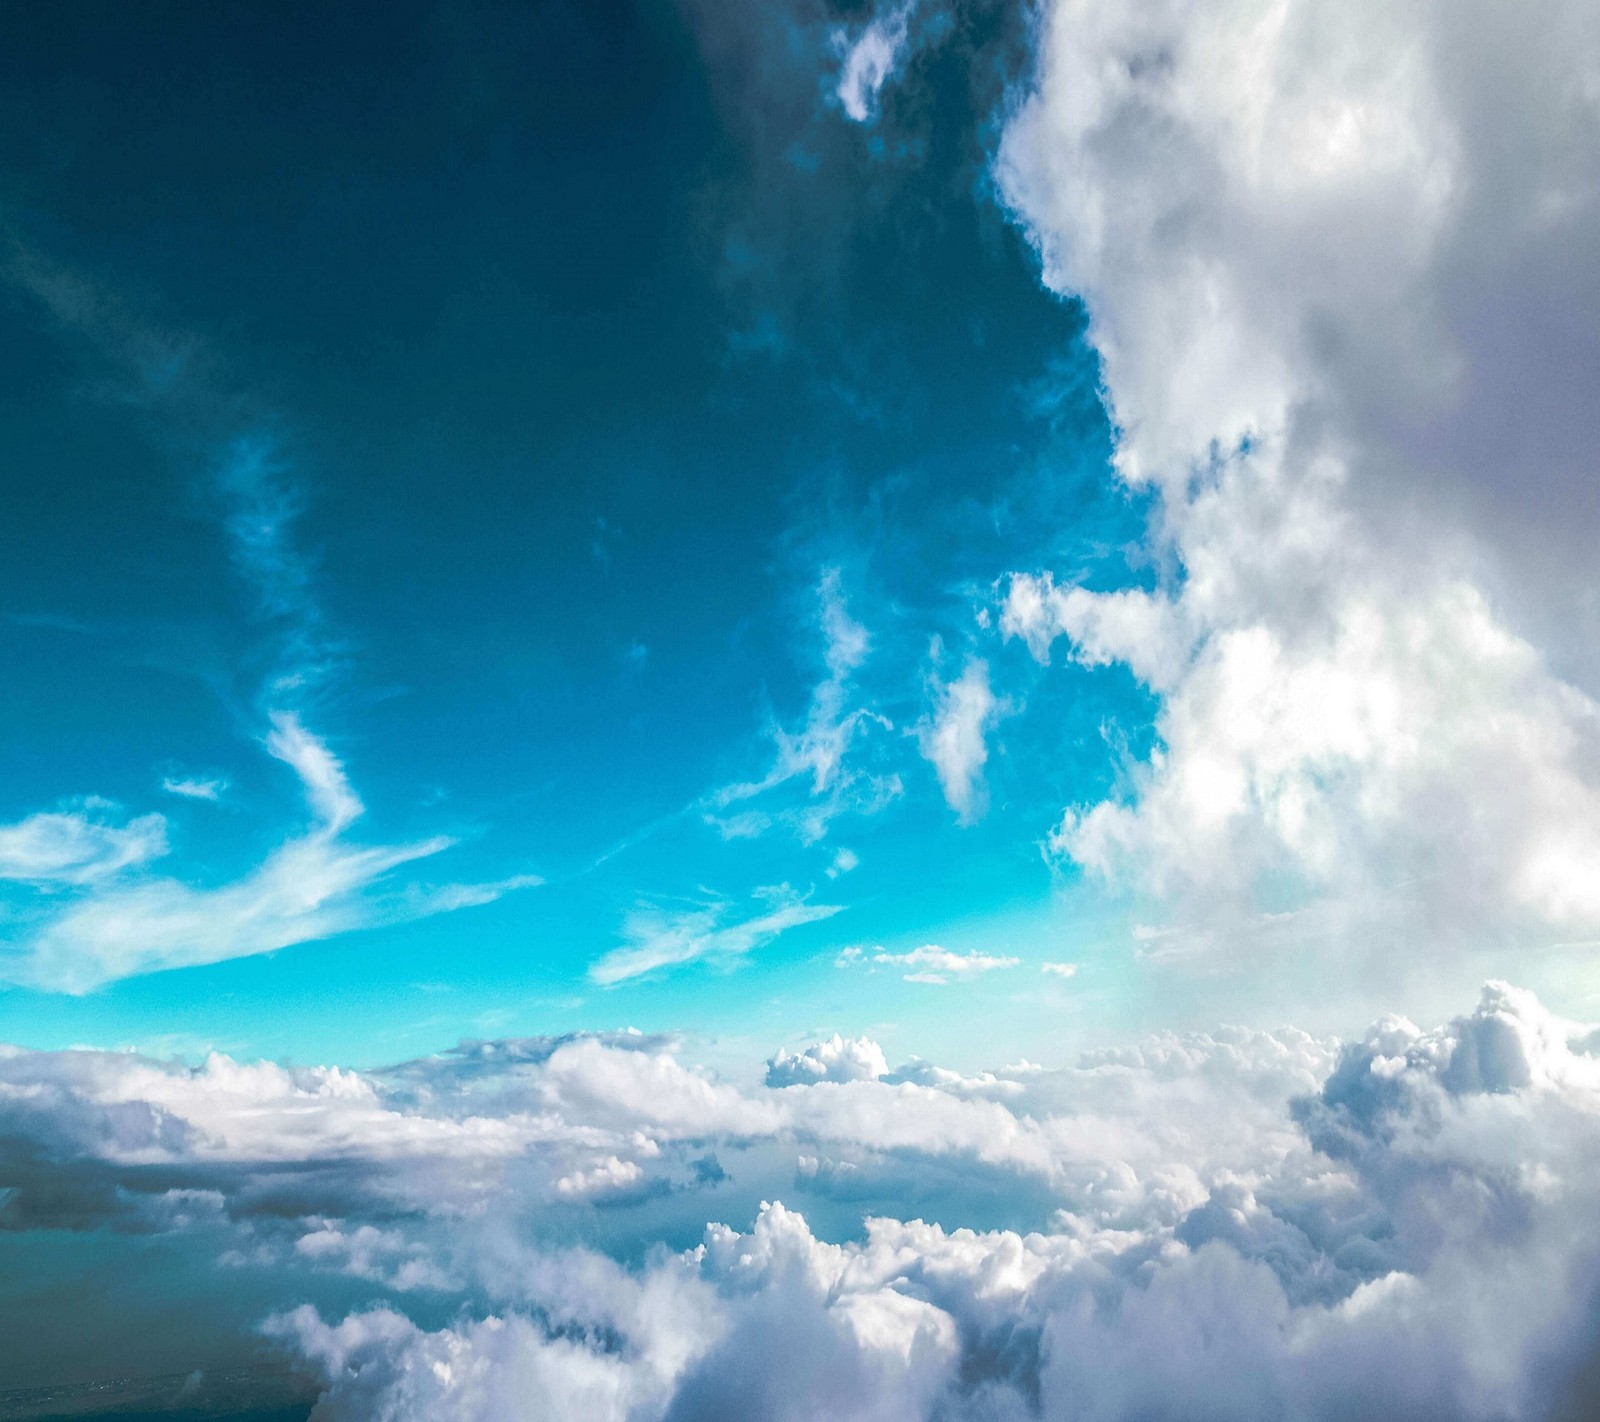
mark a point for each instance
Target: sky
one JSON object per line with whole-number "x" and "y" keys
{"x": 911, "y": 686}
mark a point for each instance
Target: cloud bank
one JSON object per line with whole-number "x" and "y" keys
{"x": 1239, "y": 1224}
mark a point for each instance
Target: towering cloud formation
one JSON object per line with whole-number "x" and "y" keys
{"x": 1341, "y": 268}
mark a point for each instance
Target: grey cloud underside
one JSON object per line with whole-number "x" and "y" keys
{"x": 1237, "y": 1224}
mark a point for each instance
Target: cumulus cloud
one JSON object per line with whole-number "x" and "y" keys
{"x": 836, "y": 1059}
{"x": 1240, "y": 1222}
{"x": 870, "y": 59}
{"x": 1414, "y": 1228}
{"x": 929, "y": 963}
{"x": 954, "y": 738}
{"x": 1337, "y": 298}
{"x": 655, "y": 938}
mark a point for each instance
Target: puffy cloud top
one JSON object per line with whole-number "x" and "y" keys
{"x": 837, "y": 1059}
{"x": 1340, "y": 267}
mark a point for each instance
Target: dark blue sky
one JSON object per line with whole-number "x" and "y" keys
{"x": 568, "y": 353}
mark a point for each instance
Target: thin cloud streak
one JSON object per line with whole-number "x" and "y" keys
{"x": 655, "y": 939}
{"x": 313, "y": 886}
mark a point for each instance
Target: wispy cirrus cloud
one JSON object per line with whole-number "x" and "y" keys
{"x": 261, "y": 505}
{"x": 79, "y": 845}
{"x": 315, "y": 884}
{"x": 106, "y": 916}
{"x": 196, "y": 787}
{"x": 816, "y": 753}
{"x": 656, "y": 938}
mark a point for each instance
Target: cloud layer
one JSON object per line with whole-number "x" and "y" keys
{"x": 1248, "y": 1224}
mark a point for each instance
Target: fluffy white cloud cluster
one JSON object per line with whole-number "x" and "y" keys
{"x": 836, "y": 1059}
{"x": 1341, "y": 270}
{"x": 1236, "y": 1225}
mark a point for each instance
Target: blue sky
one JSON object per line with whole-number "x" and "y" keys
{"x": 907, "y": 690}
{"x": 509, "y": 409}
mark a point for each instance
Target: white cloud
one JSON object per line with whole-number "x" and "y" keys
{"x": 1131, "y": 626}
{"x": 321, "y": 773}
{"x": 194, "y": 787}
{"x": 655, "y": 938}
{"x": 870, "y": 60}
{"x": 1340, "y": 300}
{"x": 836, "y": 1059}
{"x": 817, "y": 751}
{"x": 1241, "y": 1223}
{"x": 78, "y": 846}
{"x": 929, "y": 963}
{"x": 1059, "y": 970}
{"x": 954, "y": 740}
{"x": 312, "y": 886}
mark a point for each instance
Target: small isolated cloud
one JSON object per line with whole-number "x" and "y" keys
{"x": 843, "y": 862}
{"x": 836, "y": 1059}
{"x": 1059, "y": 970}
{"x": 954, "y": 738}
{"x": 928, "y": 964}
{"x": 195, "y": 787}
{"x": 870, "y": 60}
{"x": 655, "y": 938}
{"x": 606, "y": 1177}
{"x": 78, "y": 846}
